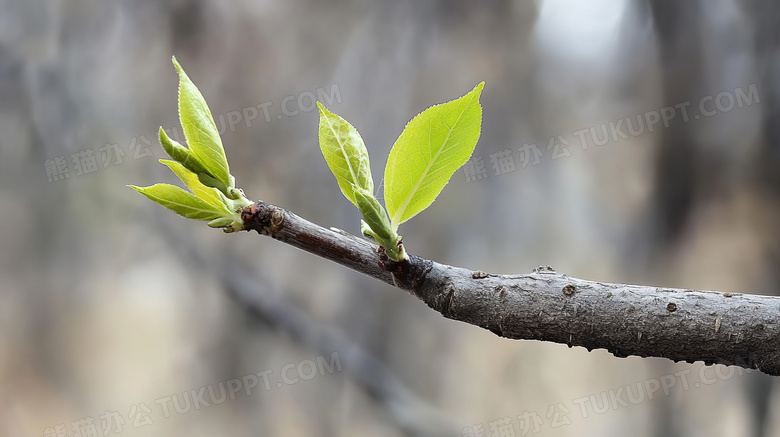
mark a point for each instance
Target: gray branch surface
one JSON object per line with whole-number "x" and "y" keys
{"x": 682, "y": 325}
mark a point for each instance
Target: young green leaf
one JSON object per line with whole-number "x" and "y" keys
{"x": 345, "y": 153}
{"x": 431, "y": 148}
{"x": 200, "y": 130}
{"x": 180, "y": 201}
{"x": 209, "y": 181}
{"x": 211, "y": 195}
{"x": 181, "y": 154}
{"x": 222, "y": 222}
{"x": 376, "y": 225}
{"x": 373, "y": 214}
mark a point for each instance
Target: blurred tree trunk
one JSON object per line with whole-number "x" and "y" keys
{"x": 765, "y": 14}
{"x": 676, "y": 27}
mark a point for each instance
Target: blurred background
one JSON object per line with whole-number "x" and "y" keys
{"x": 623, "y": 140}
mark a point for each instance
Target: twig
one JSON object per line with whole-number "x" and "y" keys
{"x": 682, "y": 325}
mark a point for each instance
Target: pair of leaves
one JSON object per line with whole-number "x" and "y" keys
{"x": 432, "y": 146}
{"x": 202, "y": 166}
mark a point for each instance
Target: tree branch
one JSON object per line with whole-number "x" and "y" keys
{"x": 682, "y": 325}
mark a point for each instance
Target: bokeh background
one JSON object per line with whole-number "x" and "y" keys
{"x": 112, "y": 308}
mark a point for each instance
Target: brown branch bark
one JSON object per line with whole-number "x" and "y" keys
{"x": 682, "y": 325}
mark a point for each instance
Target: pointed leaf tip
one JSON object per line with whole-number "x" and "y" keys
{"x": 346, "y": 154}
{"x": 432, "y": 146}
{"x": 200, "y": 130}
{"x": 180, "y": 201}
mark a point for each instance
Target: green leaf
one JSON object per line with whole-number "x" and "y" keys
{"x": 180, "y": 201}
{"x": 376, "y": 225}
{"x": 210, "y": 195}
{"x": 345, "y": 153}
{"x": 209, "y": 181}
{"x": 374, "y": 215}
{"x": 221, "y": 222}
{"x": 431, "y": 148}
{"x": 366, "y": 230}
{"x": 200, "y": 130}
{"x": 180, "y": 153}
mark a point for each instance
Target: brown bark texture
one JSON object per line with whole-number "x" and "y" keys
{"x": 678, "y": 324}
